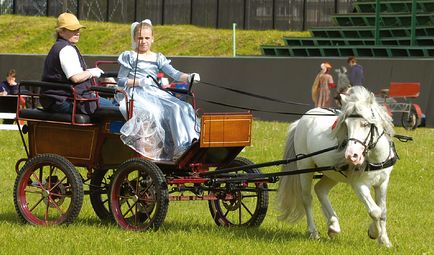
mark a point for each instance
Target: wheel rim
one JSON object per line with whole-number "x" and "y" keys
{"x": 237, "y": 208}
{"x": 246, "y": 205}
{"x": 409, "y": 121}
{"x": 45, "y": 195}
{"x": 136, "y": 198}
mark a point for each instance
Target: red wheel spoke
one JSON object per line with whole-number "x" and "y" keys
{"x": 37, "y": 203}
{"x": 135, "y": 212}
{"x": 130, "y": 208}
{"x": 141, "y": 193}
{"x": 38, "y": 181}
{"x": 46, "y": 211}
{"x": 59, "y": 182}
{"x": 247, "y": 209}
{"x": 227, "y": 212}
{"x": 239, "y": 215}
{"x": 50, "y": 200}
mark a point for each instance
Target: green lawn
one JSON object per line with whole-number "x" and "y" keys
{"x": 189, "y": 228}
{"x": 34, "y": 35}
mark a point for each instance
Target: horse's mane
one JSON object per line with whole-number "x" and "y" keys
{"x": 359, "y": 101}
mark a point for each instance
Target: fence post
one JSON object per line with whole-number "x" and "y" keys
{"x": 78, "y": 9}
{"x": 273, "y": 15}
{"x": 47, "y": 7}
{"x": 135, "y": 10}
{"x": 303, "y": 19}
{"x": 162, "y": 12}
{"x": 234, "y": 40}
{"x": 107, "y": 12}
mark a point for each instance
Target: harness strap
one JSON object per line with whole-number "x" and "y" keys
{"x": 385, "y": 164}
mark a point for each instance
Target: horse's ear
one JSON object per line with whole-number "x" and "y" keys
{"x": 344, "y": 98}
{"x": 371, "y": 98}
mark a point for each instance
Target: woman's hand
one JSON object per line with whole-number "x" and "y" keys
{"x": 194, "y": 76}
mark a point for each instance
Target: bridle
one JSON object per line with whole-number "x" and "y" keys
{"x": 370, "y": 143}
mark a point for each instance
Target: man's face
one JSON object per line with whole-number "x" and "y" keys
{"x": 11, "y": 79}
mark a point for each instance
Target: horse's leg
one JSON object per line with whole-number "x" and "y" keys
{"x": 322, "y": 189}
{"x": 364, "y": 194}
{"x": 380, "y": 197}
{"x": 306, "y": 193}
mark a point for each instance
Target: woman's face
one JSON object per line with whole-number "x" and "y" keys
{"x": 144, "y": 40}
{"x": 70, "y": 36}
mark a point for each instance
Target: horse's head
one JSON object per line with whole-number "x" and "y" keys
{"x": 361, "y": 124}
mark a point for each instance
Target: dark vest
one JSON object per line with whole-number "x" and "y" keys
{"x": 53, "y": 73}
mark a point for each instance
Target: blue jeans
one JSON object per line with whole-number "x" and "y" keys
{"x": 66, "y": 107}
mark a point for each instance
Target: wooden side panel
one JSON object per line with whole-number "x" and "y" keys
{"x": 73, "y": 142}
{"x": 226, "y": 130}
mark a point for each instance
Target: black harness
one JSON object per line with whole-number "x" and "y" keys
{"x": 370, "y": 144}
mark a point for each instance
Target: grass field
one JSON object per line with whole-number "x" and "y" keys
{"x": 189, "y": 228}
{"x": 105, "y": 38}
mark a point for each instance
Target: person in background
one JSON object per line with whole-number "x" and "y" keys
{"x": 9, "y": 86}
{"x": 162, "y": 126}
{"x": 355, "y": 75}
{"x": 321, "y": 86}
{"x": 65, "y": 64}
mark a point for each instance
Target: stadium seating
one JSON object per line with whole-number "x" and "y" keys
{"x": 354, "y": 33}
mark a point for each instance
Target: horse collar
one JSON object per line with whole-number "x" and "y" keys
{"x": 390, "y": 161}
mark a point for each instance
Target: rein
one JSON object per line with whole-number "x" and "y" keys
{"x": 253, "y": 94}
{"x": 267, "y": 111}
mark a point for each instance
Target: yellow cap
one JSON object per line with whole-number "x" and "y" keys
{"x": 69, "y": 21}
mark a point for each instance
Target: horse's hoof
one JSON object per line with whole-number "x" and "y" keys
{"x": 332, "y": 233}
{"x": 314, "y": 235}
{"x": 373, "y": 232}
{"x": 334, "y": 228}
{"x": 385, "y": 241}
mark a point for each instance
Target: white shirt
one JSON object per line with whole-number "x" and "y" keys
{"x": 69, "y": 61}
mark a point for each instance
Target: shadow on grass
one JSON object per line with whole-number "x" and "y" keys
{"x": 10, "y": 217}
{"x": 257, "y": 233}
{"x": 260, "y": 234}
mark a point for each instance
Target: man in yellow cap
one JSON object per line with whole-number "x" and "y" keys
{"x": 65, "y": 64}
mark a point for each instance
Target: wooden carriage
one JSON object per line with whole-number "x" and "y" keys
{"x": 123, "y": 185}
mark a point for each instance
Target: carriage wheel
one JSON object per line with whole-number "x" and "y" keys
{"x": 48, "y": 191}
{"x": 139, "y": 198}
{"x": 245, "y": 207}
{"x": 409, "y": 120}
{"x": 100, "y": 192}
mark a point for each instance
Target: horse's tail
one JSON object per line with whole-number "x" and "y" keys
{"x": 289, "y": 200}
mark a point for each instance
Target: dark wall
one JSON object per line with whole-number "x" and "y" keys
{"x": 248, "y": 14}
{"x": 288, "y": 79}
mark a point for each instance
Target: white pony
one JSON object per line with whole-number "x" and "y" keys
{"x": 365, "y": 159}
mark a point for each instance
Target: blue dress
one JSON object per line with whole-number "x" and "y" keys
{"x": 162, "y": 126}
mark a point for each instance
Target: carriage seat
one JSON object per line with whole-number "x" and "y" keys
{"x": 106, "y": 113}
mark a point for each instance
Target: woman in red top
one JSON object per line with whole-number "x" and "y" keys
{"x": 321, "y": 86}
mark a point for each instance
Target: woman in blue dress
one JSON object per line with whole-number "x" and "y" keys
{"x": 162, "y": 126}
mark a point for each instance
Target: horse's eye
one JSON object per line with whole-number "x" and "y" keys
{"x": 365, "y": 124}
